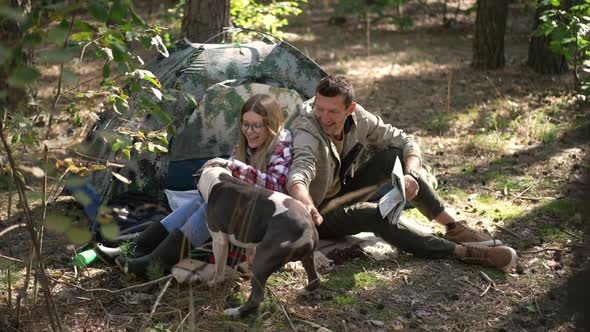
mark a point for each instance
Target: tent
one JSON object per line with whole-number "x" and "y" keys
{"x": 220, "y": 77}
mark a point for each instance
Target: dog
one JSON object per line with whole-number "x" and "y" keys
{"x": 278, "y": 228}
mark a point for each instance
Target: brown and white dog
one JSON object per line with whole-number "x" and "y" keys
{"x": 278, "y": 227}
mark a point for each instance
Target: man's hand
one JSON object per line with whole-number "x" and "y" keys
{"x": 300, "y": 193}
{"x": 217, "y": 162}
{"x": 412, "y": 187}
{"x": 315, "y": 214}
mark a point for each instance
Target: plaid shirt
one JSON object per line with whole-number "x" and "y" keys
{"x": 279, "y": 162}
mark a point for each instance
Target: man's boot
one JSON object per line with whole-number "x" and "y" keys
{"x": 458, "y": 232}
{"x": 502, "y": 257}
{"x": 166, "y": 255}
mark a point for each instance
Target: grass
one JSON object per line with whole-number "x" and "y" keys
{"x": 16, "y": 272}
{"x": 553, "y": 233}
{"x": 279, "y": 278}
{"x": 344, "y": 300}
{"x": 548, "y": 133}
{"x": 353, "y": 276}
{"x": 496, "y": 210}
{"x": 559, "y": 208}
{"x": 452, "y": 194}
{"x": 516, "y": 183}
{"x": 440, "y": 122}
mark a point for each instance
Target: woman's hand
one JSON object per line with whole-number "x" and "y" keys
{"x": 220, "y": 162}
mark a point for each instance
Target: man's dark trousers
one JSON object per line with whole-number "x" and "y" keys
{"x": 357, "y": 216}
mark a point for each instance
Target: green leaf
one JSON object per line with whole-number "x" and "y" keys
{"x": 160, "y": 46}
{"x": 126, "y": 152}
{"x": 555, "y": 3}
{"x": 99, "y": 11}
{"x": 4, "y": 53}
{"x": 32, "y": 39}
{"x": 116, "y": 146}
{"x": 82, "y": 36}
{"x": 118, "y": 12}
{"x": 191, "y": 99}
{"x": 77, "y": 119}
{"x": 162, "y": 116}
{"x": 11, "y": 13}
{"x": 70, "y": 76}
{"x": 57, "y": 35}
{"x": 82, "y": 198}
{"x": 157, "y": 93}
{"x": 110, "y": 231}
{"x": 78, "y": 235}
{"x": 150, "y": 146}
{"x": 58, "y": 223}
{"x": 15, "y": 138}
{"x": 23, "y": 76}
{"x": 161, "y": 148}
{"x": 107, "y": 52}
{"x": 106, "y": 70}
{"x": 120, "y": 52}
{"x": 57, "y": 56}
{"x": 121, "y": 177}
{"x": 135, "y": 86}
{"x": 531, "y": 307}
{"x": 84, "y": 26}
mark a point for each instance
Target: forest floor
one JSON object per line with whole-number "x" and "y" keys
{"x": 508, "y": 148}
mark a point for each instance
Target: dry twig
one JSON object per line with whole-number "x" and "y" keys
{"x": 312, "y": 324}
{"x": 508, "y": 231}
{"x": 158, "y": 299}
{"x": 105, "y": 290}
{"x": 538, "y": 251}
{"x": 11, "y": 259}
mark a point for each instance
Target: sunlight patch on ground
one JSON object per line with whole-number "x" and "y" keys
{"x": 496, "y": 210}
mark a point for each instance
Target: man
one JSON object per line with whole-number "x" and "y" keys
{"x": 328, "y": 137}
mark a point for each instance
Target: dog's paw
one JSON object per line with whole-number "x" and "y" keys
{"x": 303, "y": 292}
{"x": 233, "y": 312}
{"x": 215, "y": 282}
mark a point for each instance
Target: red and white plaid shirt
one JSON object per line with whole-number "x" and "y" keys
{"x": 275, "y": 177}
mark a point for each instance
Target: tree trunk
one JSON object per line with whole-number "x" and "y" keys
{"x": 205, "y": 18}
{"x": 541, "y": 59}
{"x": 10, "y": 33}
{"x": 490, "y": 27}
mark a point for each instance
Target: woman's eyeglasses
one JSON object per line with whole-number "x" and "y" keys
{"x": 254, "y": 127}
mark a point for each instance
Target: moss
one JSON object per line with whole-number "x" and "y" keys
{"x": 344, "y": 300}
{"x": 553, "y": 233}
{"x": 513, "y": 183}
{"x": 353, "y": 275}
{"x": 366, "y": 279}
{"x": 469, "y": 169}
{"x": 452, "y": 194}
{"x": 559, "y": 208}
{"x": 497, "y": 210}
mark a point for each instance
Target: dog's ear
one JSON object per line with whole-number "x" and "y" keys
{"x": 225, "y": 177}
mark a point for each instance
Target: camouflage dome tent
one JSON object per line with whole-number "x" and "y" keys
{"x": 220, "y": 77}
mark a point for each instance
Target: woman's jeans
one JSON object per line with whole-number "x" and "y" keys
{"x": 191, "y": 219}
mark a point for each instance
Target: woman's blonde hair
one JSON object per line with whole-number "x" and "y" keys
{"x": 270, "y": 111}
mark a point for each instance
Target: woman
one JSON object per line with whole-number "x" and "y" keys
{"x": 262, "y": 158}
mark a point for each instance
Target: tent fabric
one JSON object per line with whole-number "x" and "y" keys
{"x": 225, "y": 74}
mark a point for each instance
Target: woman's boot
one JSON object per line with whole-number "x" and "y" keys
{"x": 149, "y": 239}
{"x": 145, "y": 243}
{"x": 166, "y": 255}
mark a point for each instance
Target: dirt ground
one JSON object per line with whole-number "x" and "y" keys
{"x": 508, "y": 147}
